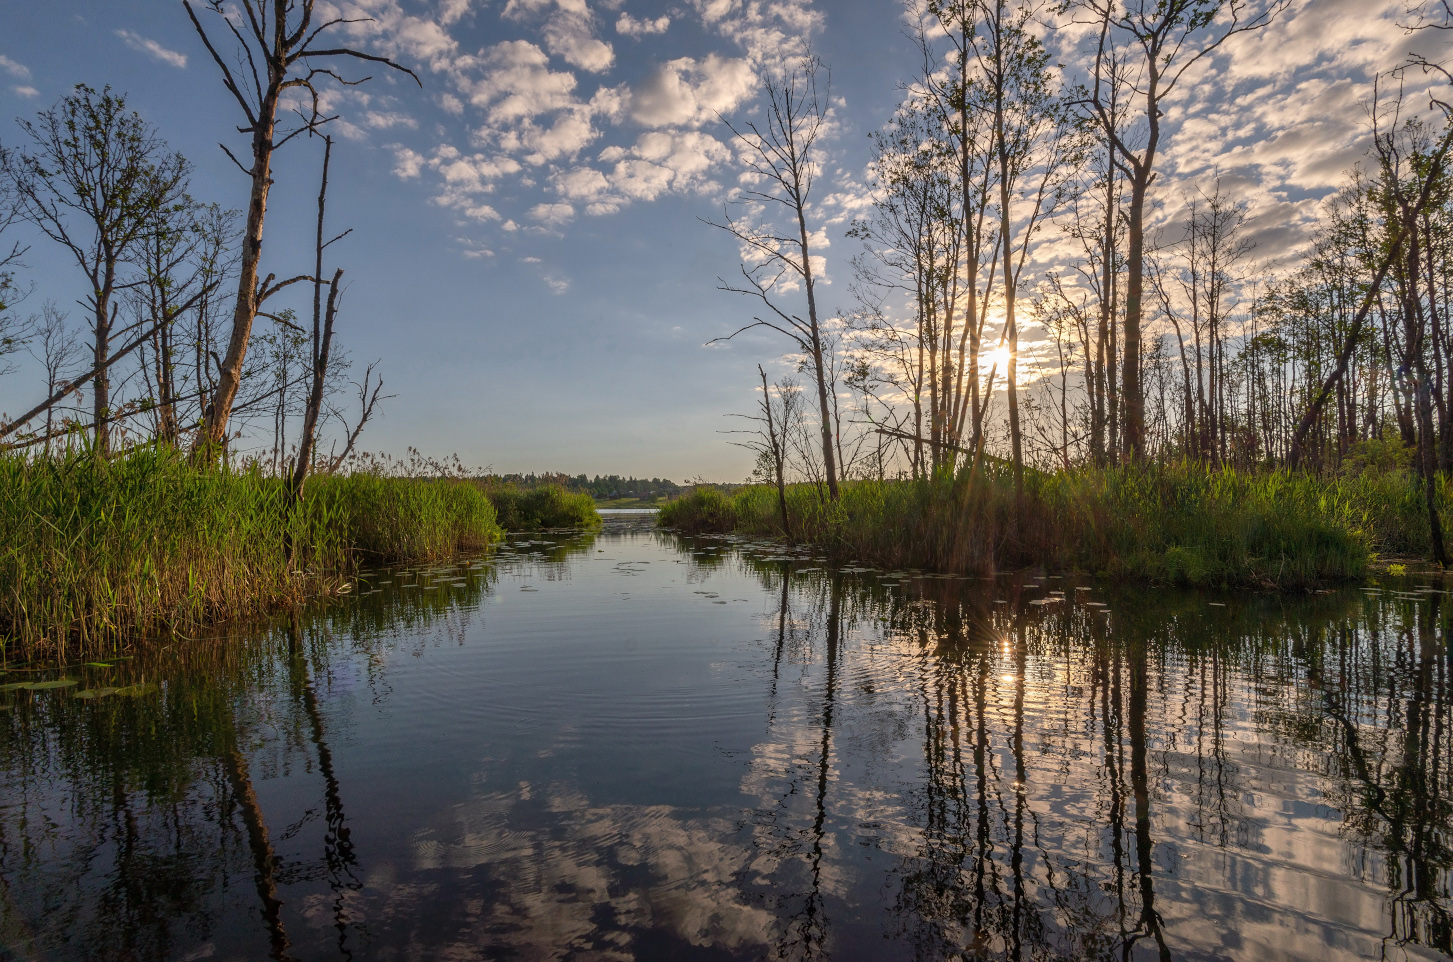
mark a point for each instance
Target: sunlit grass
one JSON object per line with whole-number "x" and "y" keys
{"x": 1177, "y": 523}
{"x": 546, "y": 506}
{"x": 95, "y": 553}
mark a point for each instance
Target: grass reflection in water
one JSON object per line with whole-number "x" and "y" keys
{"x": 633, "y": 762}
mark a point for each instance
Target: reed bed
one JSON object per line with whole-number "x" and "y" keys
{"x": 95, "y": 552}
{"x": 1173, "y": 523}
{"x": 545, "y": 506}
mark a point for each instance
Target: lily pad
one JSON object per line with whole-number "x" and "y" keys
{"x": 55, "y": 683}
{"x": 98, "y": 664}
{"x": 133, "y": 690}
{"x": 96, "y": 693}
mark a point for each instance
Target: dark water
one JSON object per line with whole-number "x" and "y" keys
{"x": 626, "y": 746}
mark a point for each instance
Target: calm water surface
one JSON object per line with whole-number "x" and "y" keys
{"x": 633, "y": 746}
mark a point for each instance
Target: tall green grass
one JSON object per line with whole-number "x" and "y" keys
{"x": 545, "y": 506}
{"x": 1174, "y": 523}
{"x": 94, "y": 552}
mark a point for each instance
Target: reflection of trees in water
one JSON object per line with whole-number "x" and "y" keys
{"x": 1380, "y": 689}
{"x": 1075, "y": 786}
{"x": 128, "y": 822}
{"x": 1080, "y": 773}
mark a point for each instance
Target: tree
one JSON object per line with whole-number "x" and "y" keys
{"x": 185, "y": 257}
{"x": 280, "y": 43}
{"x": 1166, "y": 38}
{"x": 322, "y": 346}
{"x": 1034, "y": 145}
{"x": 782, "y": 160}
{"x": 100, "y": 182}
{"x": 55, "y": 346}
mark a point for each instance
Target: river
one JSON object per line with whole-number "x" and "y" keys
{"x": 630, "y": 745}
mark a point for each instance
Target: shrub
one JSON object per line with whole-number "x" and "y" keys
{"x": 546, "y": 506}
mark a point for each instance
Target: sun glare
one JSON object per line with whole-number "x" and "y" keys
{"x": 999, "y": 357}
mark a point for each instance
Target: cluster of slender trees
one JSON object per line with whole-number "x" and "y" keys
{"x": 1155, "y": 337}
{"x": 168, "y": 349}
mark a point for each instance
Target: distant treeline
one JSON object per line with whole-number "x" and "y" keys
{"x": 601, "y": 487}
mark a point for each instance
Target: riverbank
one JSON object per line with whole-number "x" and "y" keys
{"x": 541, "y": 508}
{"x": 1170, "y": 524}
{"x": 95, "y": 552}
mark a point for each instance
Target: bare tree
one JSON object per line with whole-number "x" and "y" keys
{"x": 183, "y": 257}
{"x": 771, "y": 438}
{"x": 783, "y": 159}
{"x": 280, "y": 43}
{"x": 100, "y": 183}
{"x": 1166, "y": 38}
{"x": 1035, "y": 145}
{"x": 56, "y": 347}
{"x": 12, "y": 329}
{"x": 370, "y": 393}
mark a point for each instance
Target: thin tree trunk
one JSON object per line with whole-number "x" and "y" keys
{"x": 828, "y": 462}
{"x": 778, "y": 455}
{"x": 214, "y": 427}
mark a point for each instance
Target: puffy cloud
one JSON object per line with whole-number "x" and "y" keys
{"x": 552, "y": 215}
{"x": 452, "y": 11}
{"x": 407, "y": 163}
{"x": 573, "y": 38}
{"x": 629, "y": 26}
{"x": 570, "y": 132}
{"x": 581, "y": 184}
{"x": 14, "y": 68}
{"x": 518, "y": 83}
{"x": 689, "y": 92}
{"x": 569, "y": 31}
{"x": 641, "y": 179}
{"x": 481, "y": 212}
{"x": 768, "y": 30}
{"x": 24, "y": 91}
{"x": 152, "y": 49}
{"x": 690, "y": 154}
{"x": 658, "y": 163}
{"x": 384, "y": 119}
{"x": 412, "y": 40}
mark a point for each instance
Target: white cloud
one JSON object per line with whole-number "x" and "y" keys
{"x": 552, "y": 214}
{"x": 412, "y": 40}
{"x": 582, "y": 184}
{"x": 23, "y": 91}
{"x": 571, "y": 131}
{"x": 383, "y": 120}
{"x": 629, "y": 26}
{"x": 519, "y": 83}
{"x": 573, "y": 38}
{"x": 15, "y": 69}
{"x": 481, "y": 212}
{"x": 768, "y": 30}
{"x": 569, "y": 31}
{"x": 407, "y": 163}
{"x": 452, "y": 11}
{"x": 688, "y": 92}
{"x": 153, "y": 49}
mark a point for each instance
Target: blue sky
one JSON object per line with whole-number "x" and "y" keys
{"x": 527, "y": 258}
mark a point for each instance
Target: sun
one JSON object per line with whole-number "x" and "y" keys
{"x": 999, "y": 358}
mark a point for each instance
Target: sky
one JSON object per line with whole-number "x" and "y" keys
{"x": 528, "y": 258}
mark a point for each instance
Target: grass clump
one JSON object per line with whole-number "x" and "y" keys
{"x": 1176, "y": 523}
{"x": 545, "y": 506}
{"x": 96, "y": 551}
